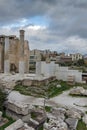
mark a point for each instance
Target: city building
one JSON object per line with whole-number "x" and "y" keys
{"x": 63, "y": 59}
{"x": 76, "y": 57}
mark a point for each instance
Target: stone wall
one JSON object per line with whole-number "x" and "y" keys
{"x": 61, "y": 73}
{"x": 14, "y": 54}
{"x": 45, "y": 69}
{"x": 29, "y": 82}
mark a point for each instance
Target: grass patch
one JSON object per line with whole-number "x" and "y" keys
{"x": 81, "y": 125}
{"x": 33, "y": 115}
{"x": 10, "y": 121}
{"x": 49, "y": 91}
{"x": 48, "y": 120}
{"x": 41, "y": 128}
{"x": 54, "y": 91}
{"x": 48, "y": 108}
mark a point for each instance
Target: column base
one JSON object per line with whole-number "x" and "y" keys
{"x": 21, "y": 67}
{"x": 6, "y": 66}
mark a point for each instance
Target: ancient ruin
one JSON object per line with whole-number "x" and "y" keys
{"x": 14, "y": 54}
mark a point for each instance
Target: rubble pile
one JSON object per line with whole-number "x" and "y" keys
{"x": 63, "y": 119}
{"x": 79, "y": 91}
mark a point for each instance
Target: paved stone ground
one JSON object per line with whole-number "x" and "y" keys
{"x": 8, "y": 81}
{"x": 61, "y": 100}
{"x": 10, "y": 77}
{"x": 67, "y": 100}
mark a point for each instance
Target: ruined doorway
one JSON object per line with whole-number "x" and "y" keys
{"x": 13, "y": 68}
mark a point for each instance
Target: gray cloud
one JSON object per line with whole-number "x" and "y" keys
{"x": 67, "y": 18}
{"x": 13, "y": 10}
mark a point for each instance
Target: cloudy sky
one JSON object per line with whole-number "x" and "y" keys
{"x": 59, "y": 25}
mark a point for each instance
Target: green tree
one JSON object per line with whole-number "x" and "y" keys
{"x": 2, "y": 99}
{"x": 43, "y": 58}
{"x": 80, "y": 62}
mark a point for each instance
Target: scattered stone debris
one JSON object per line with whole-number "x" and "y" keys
{"x": 19, "y": 125}
{"x": 58, "y": 86}
{"x": 73, "y": 113}
{"x": 3, "y": 120}
{"x": 85, "y": 119}
{"x": 34, "y": 82}
{"x": 59, "y": 118}
{"x": 7, "y": 84}
{"x": 55, "y": 125}
{"x": 72, "y": 123}
{"x": 63, "y": 119}
{"x": 79, "y": 91}
{"x": 18, "y": 107}
{"x": 35, "y": 117}
{"x": 71, "y": 79}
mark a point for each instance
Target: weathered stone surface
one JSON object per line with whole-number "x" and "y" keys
{"x": 73, "y": 114}
{"x": 6, "y": 66}
{"x": 59, "y": 113}
{"x": 72, "y": 123}
{"x": 37, "y": 82}
{"x": 58, "y": 86}
{"x": 34, "y": 121}
{"x": 85, "y": 93}
{"x": 55, "y": 124}
{"x": 61, "y": 110}
{"x": 28, "y": 127}
{"x": 26, "y": 118}
{"x": 77, "y": 91}
{"x": 0, "y": 115}
{"x": 19, "y": 125}
{"x": 21, "y": 67}
{"x": 63, "y": 119}
{"x": 85, "y": 119}
{"x": 78, "y": 111}
{"x": 12, "y": 49}
{"x": 16, "y": 125}
{"x": 7, "y": 85}
{"x": 18, "y": 108}
{"x": 50, "y": 116}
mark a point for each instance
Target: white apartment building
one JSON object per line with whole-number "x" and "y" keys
{"x": 76, "y": 57}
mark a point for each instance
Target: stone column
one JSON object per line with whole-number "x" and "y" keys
{"x": 6, "y": 56}
{"x": 38, "y": 68}
{"x": 22, "y": 42}
{"x": 26, "y": 56}
{"x": 21, "y": 60}
{"x": 21, "y": 67}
